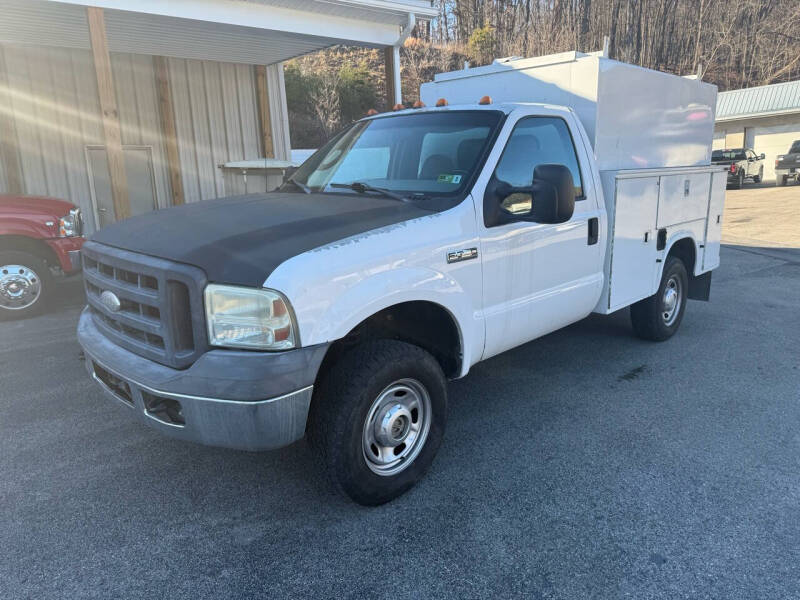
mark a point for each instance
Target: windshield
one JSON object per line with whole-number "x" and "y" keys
{"x": 432, "y": 154}
{"x": 728, "y": 155}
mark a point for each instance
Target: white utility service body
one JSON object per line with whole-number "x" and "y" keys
{"x": 343, "y": 312}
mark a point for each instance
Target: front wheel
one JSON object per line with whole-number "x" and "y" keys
{"x": 25, "y": 283}
{"x": 760, "y": 176}
{"x": 658, "y": 317}
{"x": 377, "y": 419}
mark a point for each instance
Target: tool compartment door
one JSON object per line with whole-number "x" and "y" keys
{"x": 633, "y": 251}
{"x": 683, "y": 198}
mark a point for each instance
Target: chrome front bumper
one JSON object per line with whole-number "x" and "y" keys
{"x": 261, "y": 425}
{"x": 178, "y": 402}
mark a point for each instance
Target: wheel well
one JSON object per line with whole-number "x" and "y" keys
{"x": 424, "y": 324}
{"x": 699, "y": 285}
{"x": 685, "y": 250}
{"x": 21, "y": 243}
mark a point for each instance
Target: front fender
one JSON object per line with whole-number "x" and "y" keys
{"x": 388, "y": 288}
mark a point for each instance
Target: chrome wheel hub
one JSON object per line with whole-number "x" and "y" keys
{"x": 20, "y": 287}
{"x": 671, "y": 301}
{"x": 396, "y": 427}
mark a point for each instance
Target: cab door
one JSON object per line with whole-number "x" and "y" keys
{"x": 539, "y": 277}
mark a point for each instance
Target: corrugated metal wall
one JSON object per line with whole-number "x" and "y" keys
{"x": 56, "y": 113}
{"x": 216, "y": 119}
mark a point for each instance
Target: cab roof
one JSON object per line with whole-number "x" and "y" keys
{"x": 504, "y": 107}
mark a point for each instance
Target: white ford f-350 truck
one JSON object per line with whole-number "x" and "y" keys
{"x": 411, "y": 246}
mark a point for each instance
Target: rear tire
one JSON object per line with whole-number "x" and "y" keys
{"x": 25, "y": 284}
{"x": 377, "y": 420}
{"x": 658, "y": 317}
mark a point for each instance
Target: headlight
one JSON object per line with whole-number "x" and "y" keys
{"x": 71, "y": 225}
{"x": 239, "y": 317}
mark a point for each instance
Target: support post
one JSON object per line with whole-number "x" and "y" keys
{"x": 168, "y": 129}
{"x": 391, "y": 61}
{"x": 9, "y": 145}
{"x": 108, "y": 107}
{"x": 263, "y": 110}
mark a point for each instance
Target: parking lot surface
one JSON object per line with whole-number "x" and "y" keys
{"x": 763, "y": 215}
{"x": 585, "y": 464}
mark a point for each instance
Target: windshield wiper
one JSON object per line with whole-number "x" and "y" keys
{"x": 361, "y": 187}
{"x": 303, "y": 187}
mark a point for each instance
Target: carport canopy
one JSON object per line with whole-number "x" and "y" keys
{"x": 243, "y": 31}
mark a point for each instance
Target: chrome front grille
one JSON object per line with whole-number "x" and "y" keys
{"x": 152, "y": 307}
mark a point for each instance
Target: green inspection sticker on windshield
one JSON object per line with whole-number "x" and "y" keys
{"x": 446, "y": 178}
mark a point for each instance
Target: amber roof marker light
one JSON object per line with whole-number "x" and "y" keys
{"x": 485, "y": 100}
{"x": 441, "y": 102}
{"x": 398, "y": 106}
{"x": 419, "y": 104}
{"x": 372, "y": 112}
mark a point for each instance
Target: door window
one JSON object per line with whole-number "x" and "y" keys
{"x": 536, "y": 141}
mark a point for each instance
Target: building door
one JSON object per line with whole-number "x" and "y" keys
{"x": 773, "y": 141}
{"x": 141, "y": 182}
{"x": 719, "y": 140}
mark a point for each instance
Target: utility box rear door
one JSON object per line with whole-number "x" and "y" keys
{"x": 719, "y": 181}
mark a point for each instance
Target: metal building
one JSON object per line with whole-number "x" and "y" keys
{"x": 122, "y": 106}
{"x": 765, "y": 118}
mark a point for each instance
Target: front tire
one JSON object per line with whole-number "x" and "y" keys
{"x": 760, "y": 176}
{"x": 377, "y": 419}
{"x": 658, "y": 317}
{"x": 25, "y": 284}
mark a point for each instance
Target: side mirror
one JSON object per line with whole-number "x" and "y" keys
{"x": 762, "y": 156}
{"x": 550, "y": 198}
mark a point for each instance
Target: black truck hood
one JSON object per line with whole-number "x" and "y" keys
{"x": 240, "y": 240}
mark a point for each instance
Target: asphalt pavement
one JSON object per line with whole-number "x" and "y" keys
{"x": 586, "y": 464}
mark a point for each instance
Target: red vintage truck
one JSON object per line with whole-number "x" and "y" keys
{"x": 39, "y": 239}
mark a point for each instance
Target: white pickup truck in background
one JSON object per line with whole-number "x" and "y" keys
{"x": 412, "y": 246}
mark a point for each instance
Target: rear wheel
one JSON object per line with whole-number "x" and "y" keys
{"x": 377, "y": 419}
{"x": 658, "y": 317}
{"x": 25, "y": 283}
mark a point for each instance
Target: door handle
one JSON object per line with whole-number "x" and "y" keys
{"x": 594, "y": 231}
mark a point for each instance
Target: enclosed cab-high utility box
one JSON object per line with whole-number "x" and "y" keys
{"x": 651, "y": 134}
{"x": 637, "y": 118}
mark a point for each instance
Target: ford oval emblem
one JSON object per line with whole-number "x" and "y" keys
{"x": 110, "y": 301}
